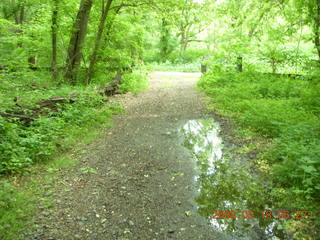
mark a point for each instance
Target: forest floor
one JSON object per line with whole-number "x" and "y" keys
{"x": 137, "y": 181}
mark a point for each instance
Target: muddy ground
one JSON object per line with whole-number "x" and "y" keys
{"x": 144, "y": 182}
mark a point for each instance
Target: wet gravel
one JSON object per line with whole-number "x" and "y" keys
{"x": 143, "y": 187}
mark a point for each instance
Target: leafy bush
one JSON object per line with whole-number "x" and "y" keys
{"x": 133, "y": 82}
{"x": 285, "y": 110}
{"x": 12, "y": 156}
{"x": 21, "y": 146}
{"x": 189, "y": 56}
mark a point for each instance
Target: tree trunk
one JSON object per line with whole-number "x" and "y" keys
{"x": 32, "y": 62}
{"x": 97, "y": 42}
{"x": 19, "y": 18}
{"x": 239, "y": 64}
{"x": 317, "y": 28}
{"x": 54, "y": 28}
{"x": 182, "y": 45}
{"x": 164, "y": 41}
{"x": 76, "y": 41}
{"x": 21, "y": 15}
{"x": 185, "y": 38}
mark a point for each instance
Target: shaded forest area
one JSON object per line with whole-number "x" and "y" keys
{"x": 61, "y": 60}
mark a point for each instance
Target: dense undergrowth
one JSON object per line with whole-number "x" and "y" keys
{"x": 25, "y": 149}
{"x": 285, "y": 112}
{"x": 21, "y": 146}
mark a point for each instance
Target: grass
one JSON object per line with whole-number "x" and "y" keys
{"x": 285, "y": 114}
{"x": 15, "y": 207}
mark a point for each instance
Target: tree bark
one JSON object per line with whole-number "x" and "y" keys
{"x": 240, "y": 64}
{"x": 21, "y": 15}
{"x": 76, "y": 41}
{"x": 164, "y": 41}
{"x": 54, "y": 30}
{"x": 97, "y": 42}
{"x": 32, "y": 62}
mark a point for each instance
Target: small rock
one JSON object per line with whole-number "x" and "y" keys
{"x": 171, "y": 231}
{"x": 103, "y": 220}
{"x": 131, "y": 223}
{"x": 46, "y": 214}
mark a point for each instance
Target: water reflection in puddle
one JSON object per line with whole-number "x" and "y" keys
{"x": 227, "y": 187}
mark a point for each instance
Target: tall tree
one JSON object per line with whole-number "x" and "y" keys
{"x": 76, "y": 41}
{"x": 190, "y": 19}
{"x": 54, "y": 30}
{"x": 101, "y": 28}
{"x": 165, "y": 47}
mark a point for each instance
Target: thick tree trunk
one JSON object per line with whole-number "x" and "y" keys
{"x": 97, "y": 42}
{"x": 76, "y": 41}
{"x": 54, "y": 29}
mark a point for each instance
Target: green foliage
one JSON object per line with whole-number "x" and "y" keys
{"x": 191, "y": 55}
{"x": 22, "y": 146}
{"x": 15, "y": 207}
{"x": 284, "y": 110}
{"x": 133, "y": 82}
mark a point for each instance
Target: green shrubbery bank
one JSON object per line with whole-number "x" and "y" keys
{"x": 44, "y": 144}
{"x": 285, "y": 112}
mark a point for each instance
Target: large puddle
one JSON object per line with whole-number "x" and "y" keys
{"x": 231, "y": 196}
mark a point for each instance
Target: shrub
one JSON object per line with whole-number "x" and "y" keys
{"x": 287, "y": 112}
{"x": 133, "y": 82}
{"x": 22, "y": 146}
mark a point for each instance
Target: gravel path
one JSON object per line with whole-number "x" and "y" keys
{"x": 143, "y": 188}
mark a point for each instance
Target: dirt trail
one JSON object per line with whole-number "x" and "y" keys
{"x": 144, "y": 186}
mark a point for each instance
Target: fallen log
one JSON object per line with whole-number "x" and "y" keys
{"x": 27, "y": 114}
{"x": 17, "y": 117}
